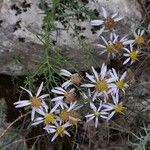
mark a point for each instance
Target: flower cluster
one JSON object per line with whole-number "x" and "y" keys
{"x": 65, "y": 107}
{"x": 116, "y": 45}
{"x": 104, "y": 90}
{"x": 61, "y": 114}
{"x": 99, "y": 92}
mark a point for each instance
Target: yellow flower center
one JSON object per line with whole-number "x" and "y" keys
{"x": 134, "y": 55}
{"x": 118, "y": 46}
{"x": 49, "y": 118}
{"x": 119, "y": 108}
{"x": 69, "y": 97}
{"x": 140, "y": 40}
{"x": 66, "y": 116}
{"x": 60, "y": 130}
{"x": 120, "y": 84}
{"x": 76, "y": 79}
{"x": 101, "y": 86}
{"x": 110, "y": 48}
{"x": 36, "y": 102}
{"x": 109, "y": 23}
{"x": 97, "y": 113}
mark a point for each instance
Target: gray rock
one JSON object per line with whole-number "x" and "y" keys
{"x": 20, "y": 47}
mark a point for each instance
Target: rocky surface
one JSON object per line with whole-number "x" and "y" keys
{"x": 21, "y": 24}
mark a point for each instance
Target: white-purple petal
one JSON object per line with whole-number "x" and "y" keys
{"x": 118, "y": 19}
{"x": 27, "y": 91}
{"x": 100, "y": 31}
{"x": 90, "y": 78}
{"x": 39, "y": 90}
{"x": 126, "y": 61}
{"x": 104, "y": 12}
{"x": 57, "y": 92}
{"x": 88, "y": 85}
{"x": 67, "y": 83}
{"x": 59, "y": 98}
{"x": 22, "y": 105}
{"x": 96, "y": 22}
{"x": 32, "y": 114}
{"x": 44, "y": 96}
{"x": 65, "y": 72}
